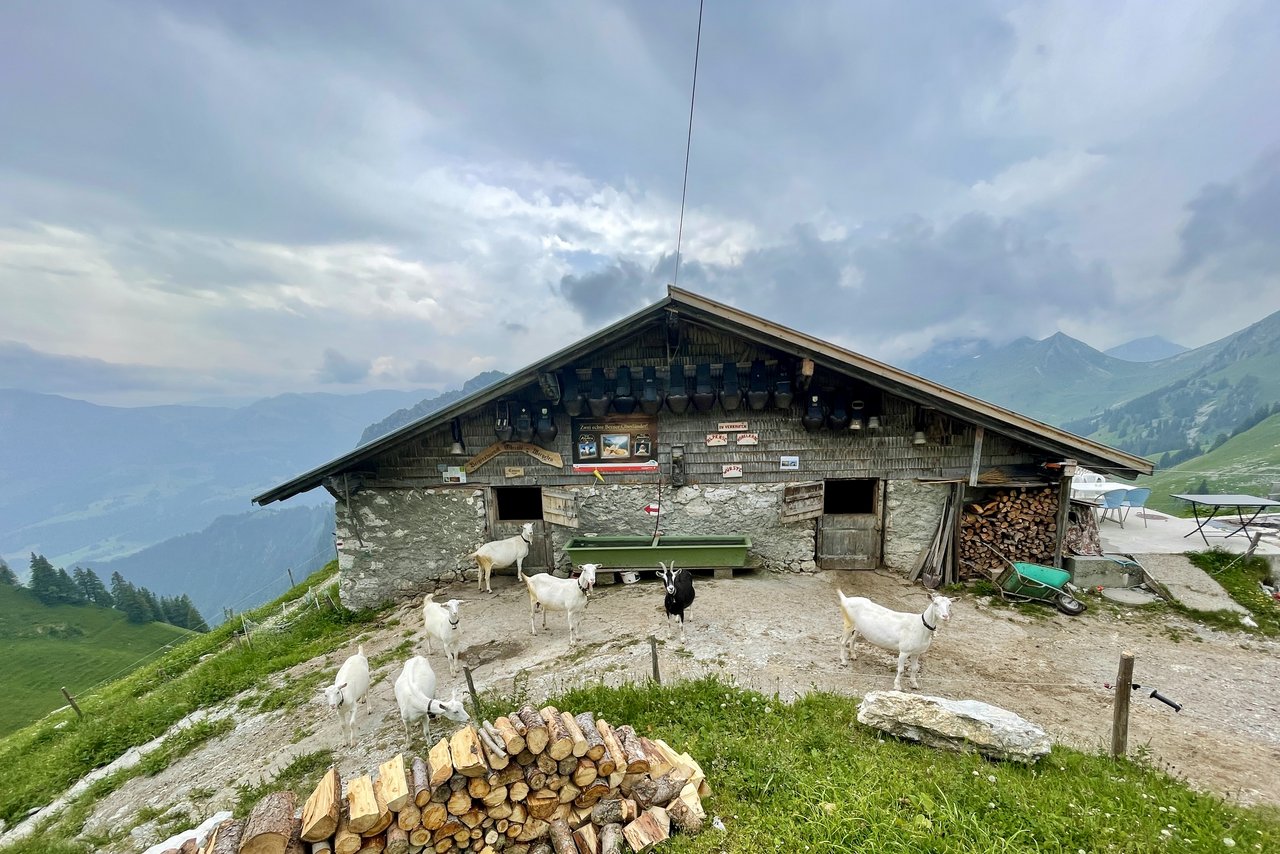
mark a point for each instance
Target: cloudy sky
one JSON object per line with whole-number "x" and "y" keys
{"x": 246, "y": 198}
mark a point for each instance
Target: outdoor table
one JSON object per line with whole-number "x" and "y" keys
{"x": 1217, "y": 502}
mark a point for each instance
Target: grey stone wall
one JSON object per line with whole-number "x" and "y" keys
{"x": 411, "y": 538}
{"x": 912, "y": 513}
{"x": 749, "y": 509}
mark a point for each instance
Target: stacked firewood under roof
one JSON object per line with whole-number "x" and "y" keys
{"x": 1014, "y": 524}
{"x": 534, "y": 782}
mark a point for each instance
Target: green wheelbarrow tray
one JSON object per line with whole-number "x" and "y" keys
{"x": 1033, "y": 582}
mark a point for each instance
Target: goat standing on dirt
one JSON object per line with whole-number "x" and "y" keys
{"x": 440, "y": 621}
{"x": 501, "y": 554}
{"x": 679, "y": 586}
{"x": 909, "y": 635}
{"x": 559, "y": 594}
{"x": 415, "y": 692}
{"x": 349, "y": 687}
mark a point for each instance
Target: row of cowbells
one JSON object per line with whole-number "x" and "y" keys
{"x": 526, "y": 423}
{"x": 626, "y": 394}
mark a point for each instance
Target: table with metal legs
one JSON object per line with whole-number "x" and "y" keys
{"x": 1215, "y": 503}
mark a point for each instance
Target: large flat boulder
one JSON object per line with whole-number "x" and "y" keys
{"x": 961, "y": 725}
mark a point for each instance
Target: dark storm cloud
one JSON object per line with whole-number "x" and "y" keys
{"x": 1234, "y": 229}
{"x": 609, "y": 293}
{"x": 337, "y": 368}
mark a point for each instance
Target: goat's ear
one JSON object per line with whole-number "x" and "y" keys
{"x": 343, "y": 685}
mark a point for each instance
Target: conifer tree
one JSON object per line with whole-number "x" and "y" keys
{"x": 68, "y": 591}
{"x": 94, "y": 590}
{"x": 192, "y": 619}
{"x": 7, "y": 575}
{"x": 44, "y": 580}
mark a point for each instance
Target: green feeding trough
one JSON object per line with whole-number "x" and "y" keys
{"x": 631, "y": 552}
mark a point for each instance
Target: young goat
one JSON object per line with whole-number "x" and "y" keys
{"x": 349, "y": 687}
{"x": 909, "y": 635}
{"x": 501, "y": 554}
{"x": 440, "y": 622}
{"x": 415, "y": 692}
{"x": 559, "y": 594}
{"x": 679, "y": 585}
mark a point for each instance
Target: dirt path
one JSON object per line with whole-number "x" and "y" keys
{"x": 781, "y": 634}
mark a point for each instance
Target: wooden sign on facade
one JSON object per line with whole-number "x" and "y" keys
{"x": 513, "y": 471}
{"x": 715, "y": 440}
{"x": 542, "y": 455}
{"x": 731, "y": 470}
{"x": 731, "y": 426}
{"x": 748, "y": 438}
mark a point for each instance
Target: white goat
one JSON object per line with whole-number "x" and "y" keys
{"x": 440, "y": 621}
{"x": 907, "y": 634}
{"x": 415, "y": 692}
{"x": 559, "y": 594}
{"x": 350, "y": 686}
{"x": 501, "y": 554}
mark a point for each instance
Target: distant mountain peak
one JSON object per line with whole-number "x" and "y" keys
{"x": 1152, "y": 348}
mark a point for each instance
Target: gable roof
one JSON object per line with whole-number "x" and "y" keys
{"x": 716, "y": 314}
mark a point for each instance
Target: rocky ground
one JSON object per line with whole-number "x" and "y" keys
{"x": 780, "y": 634}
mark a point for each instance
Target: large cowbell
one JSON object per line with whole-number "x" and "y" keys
{"x": 599, "y": 397}
{"x": 651, "y": 395}
{"x": 624, "y": 401}
{"x": 524, "y": 423}
{"x": 502, "y": 427}
{"x": 814, "y": 414}
{"x": 758, "y": 388}
{"x": 574, "y": 395}
{"x": 545, "y": 425}
{"x": 704, "y": 391}
{"x": 677, "y": 390}
{"x": 730, "y": 389}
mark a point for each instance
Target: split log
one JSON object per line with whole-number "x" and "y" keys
{"x": 397, "y": 840}
{"x": 519, "y": 790}
{"x": 614, "y": 811}
{"x": 614, "y": 758}
{"x": 519, "y": 813}
{"x": 592, "y": 793}
{"x": 460, "y": 802}
{"x": 586, "y": 839}
{"x": 270, "y": 825}
{"x": 384, "y": 816}
{"x": 525, "y": 756}
{"x": 512, "y": 739}
{"x": 464, "y": 748}
{"x": 534, "y": 828}
{"x": 456, "y": 782}
{"x": 542, "y": 804}
{"x": 611, "y": 839}
{"x": 562, "y": 838}
{"x": 226, "y": 837}
{"x": 546, "y": 764}
{"x": 440, "y": 764}
{"x": 536, "y": 736}
{"x": 563, "y": 811}
{"x": 567, "y": 766}
{"x": 659, "y": 762}
{"x": 585, "y": 773}
{"x": 409, "y": 817}
{"x": 501, "y": 811}
{"x": 587, "y": 726}
{"x": 472, "y": 818}
{"x": 395, "y": 783}
{"x": 507, "y": 776}
{"x": 447, "y": 830}
{"x": 434, "y": 815}
{"x": 373, "y": 844}
{"x": 478, "y": 787}
{"x": 650, "y": 827}
{"x": 555, "y": 782}
{"x": 535, "y": 777}
{"x": 495, "y": 796}
{"x": 575, "y": 733}
{"x": 561, "y": 743}
{"x": 421, "y": 781}
{"x": 649, "y": 792}
{"x": 568, "y": 792}
{"x": 684, "y": 818}
{"x": 345, "y": 840}
{"x": 637, "y": 762}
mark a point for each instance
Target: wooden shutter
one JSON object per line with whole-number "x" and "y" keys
{"x": 560, "y": 507}
{"x": 801, "y": 501}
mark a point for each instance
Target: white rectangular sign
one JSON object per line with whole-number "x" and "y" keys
{"x": 790, "y": 464}
{"x": 731, "y": 470}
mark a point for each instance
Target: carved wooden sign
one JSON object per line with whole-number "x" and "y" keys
{"x": 715, "y": 440}
{"x": 748, "y": 438}
{"x": 731, "y": 470}
{"x": 542, "y": 455}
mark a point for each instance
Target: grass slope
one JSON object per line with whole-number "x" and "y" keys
{"x": 1247, "y": 464}
{"x": 74, "y": 646}
{"x": 808, "y": 777}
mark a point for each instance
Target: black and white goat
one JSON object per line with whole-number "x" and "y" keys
{"x": 679, "y": 587}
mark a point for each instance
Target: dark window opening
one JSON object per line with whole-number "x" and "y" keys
{"x": 849, "y": 496}
{"x": 519, "y": 503}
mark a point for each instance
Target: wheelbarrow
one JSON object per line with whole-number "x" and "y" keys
{"x": 1031, "y": 582}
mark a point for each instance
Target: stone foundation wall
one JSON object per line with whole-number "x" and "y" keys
{"x": 403, "y": 541}
{"x": 912, "y": 513}
{"x": 411, "y": 539}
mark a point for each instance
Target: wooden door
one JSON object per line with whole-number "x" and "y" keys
{"x": 851, "y": 540}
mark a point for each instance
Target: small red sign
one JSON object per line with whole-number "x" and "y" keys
{"x": 652, "y": 509}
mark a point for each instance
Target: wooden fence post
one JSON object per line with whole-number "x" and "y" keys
{"x": 1120, "y": 718}
{"x": 653, "y": 654}
{"x": 475, "y": 698}
{"x": 292, "y": 583}
{"x": 72, "y": 701}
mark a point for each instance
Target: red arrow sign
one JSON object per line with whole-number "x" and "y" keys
{"x": 652, "y": 509}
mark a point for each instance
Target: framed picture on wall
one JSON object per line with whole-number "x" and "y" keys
{"x": 587, "y": 448}
{"x": 615, "y": 439}
{"x": 615, "y": 446}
